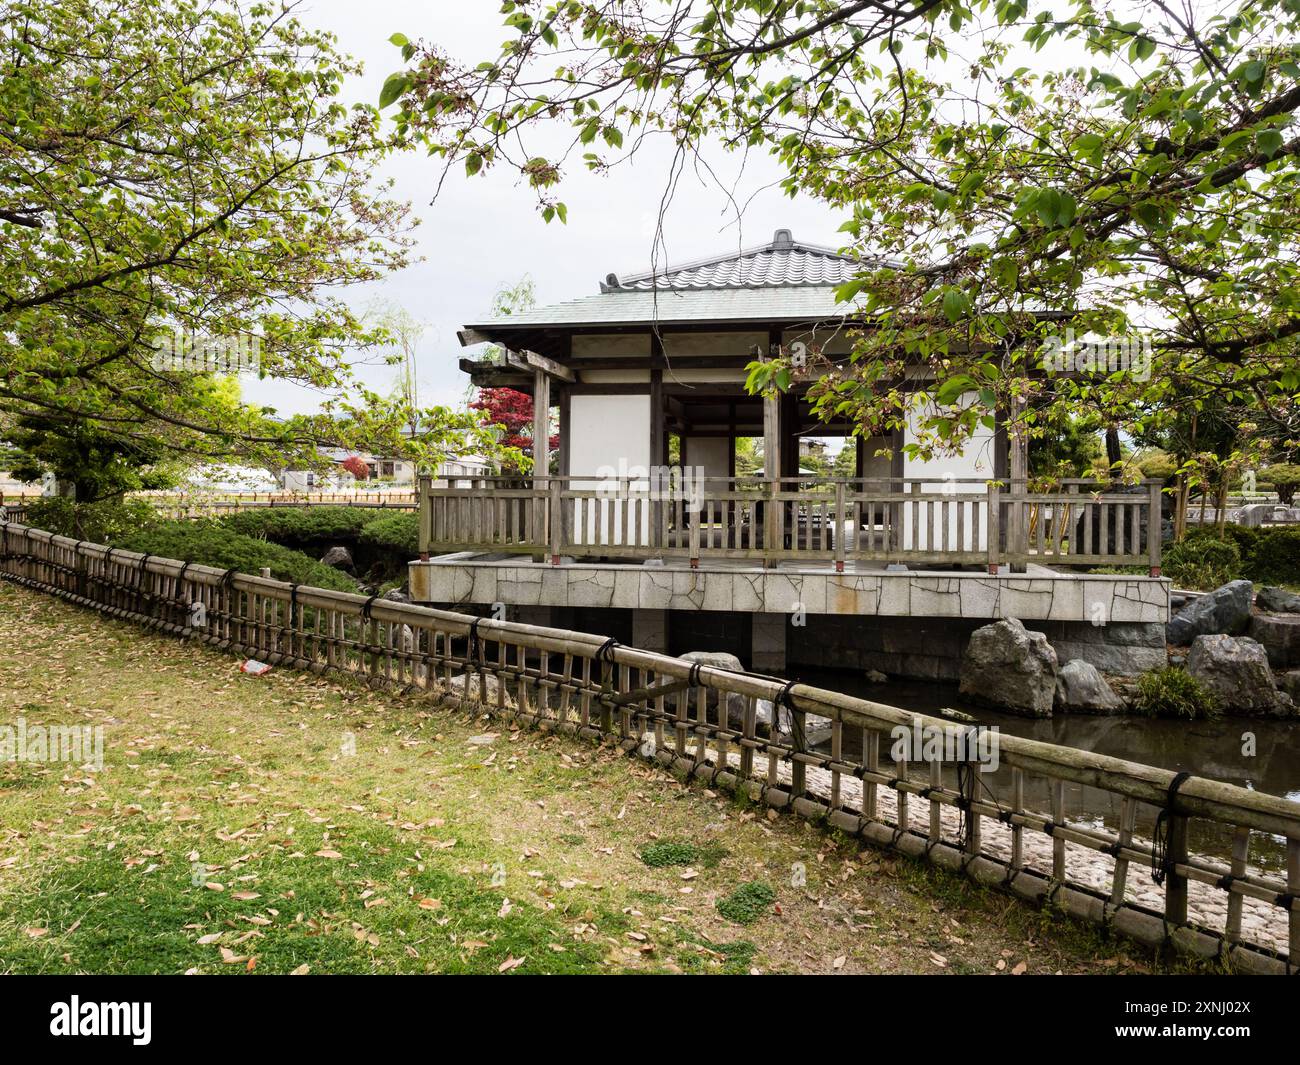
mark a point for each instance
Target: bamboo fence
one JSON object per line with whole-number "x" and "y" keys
{"x": 666, "y": 709}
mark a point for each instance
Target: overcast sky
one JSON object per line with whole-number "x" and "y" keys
{"x": 485, "y": 233}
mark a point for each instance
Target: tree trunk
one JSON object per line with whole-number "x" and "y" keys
{"x": 1113, "y": 454}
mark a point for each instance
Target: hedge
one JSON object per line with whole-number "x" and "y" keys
{"x": 211, "y": 544}
{"x": 394, "y": 532}
{"x": 296, "y": 526}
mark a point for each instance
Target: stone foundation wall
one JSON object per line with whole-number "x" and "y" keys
{"x": 916, "y": 648}
{"x": 932, "y": 648}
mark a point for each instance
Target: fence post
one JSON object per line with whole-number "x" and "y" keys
{"x": 424, "y": 503}
{"x": 694, "y": 538}
{"x": 1154, "y": 528}
{"x": 841, "y": 534}
{"x": 555, "y": 519}
{"x": 993, "y": 527}
{"x": 771, "y": 523}
{"x": 1176, "y": 883}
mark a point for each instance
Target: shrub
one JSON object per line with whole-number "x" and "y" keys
{"x": 398, "y": 532}
{"x": 1171, "y": 692}
{"x": 1158, "y": 466}
{"x": 211, "y": 544}
{"x": 747, "y": 903}
{"x": 1275, "y": 558}
{"x": 1202, "y": 562}
{"x": 298, "y": 526}
{"x": 1284, "y": 478}
{"x": 100, "y": 523}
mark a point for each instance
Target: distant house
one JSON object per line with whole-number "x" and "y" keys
{"x": 383, "y": 473}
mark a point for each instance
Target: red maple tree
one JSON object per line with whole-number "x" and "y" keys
{"x": 513, "y": 411}
{"x": 356, "y": 466}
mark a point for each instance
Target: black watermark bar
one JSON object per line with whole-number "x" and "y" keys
{"x": 139, "y": 1015}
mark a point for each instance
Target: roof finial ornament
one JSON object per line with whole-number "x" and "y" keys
{"x": 782, "y": 240}
{"x": 611, "y": 284}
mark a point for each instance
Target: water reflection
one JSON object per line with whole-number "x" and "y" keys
{"x": 1214, "y": 749}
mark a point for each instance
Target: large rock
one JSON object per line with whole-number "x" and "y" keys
{"x": 1277, "y": 601}
{"x": 735, "y": 702}
{"x": 1236, "y": 669}
{"x": 717, "y": 659}
{"x": 1280, "y": 636}
{"x": 1291, "y": 684}
{"x": 1224, "y": 611}
{"x": 1081, "y": 689}
{"x": 1008, "y": 667}
{"x": 339, "y": 557}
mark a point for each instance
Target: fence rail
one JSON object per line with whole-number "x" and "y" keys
{"x": 743, "y": 731}
{"x": 952, "y": 522}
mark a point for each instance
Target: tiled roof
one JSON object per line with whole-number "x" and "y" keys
{"x": 784, "y": 261}
{"x": 802, "y": 303}
{"x": 782, "y": 280}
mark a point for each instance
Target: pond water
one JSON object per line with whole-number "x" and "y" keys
{"x": 1216, "y": 749}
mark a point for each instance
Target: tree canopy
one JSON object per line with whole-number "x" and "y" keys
{"x": 1005, "y": 169}
{"x": 172, "y": 168}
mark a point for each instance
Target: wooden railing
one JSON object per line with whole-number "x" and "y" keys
{"x": 921, "y": 522}
{"x": 915, "y": 800}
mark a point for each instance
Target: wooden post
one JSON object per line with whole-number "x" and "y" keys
{"x": 840, "y": 533}
{"x": 1154, "y": 528}
{"x": 555, "y": 520}
{"x": 992, "y": 527}
{"x": 1176, "y": 882}
{"x": 772, "y": 437}
{"x": 1018, "y": 461}
{"x": 1293, "y": 887}
{"x": 426, "y": 514}
{"x": 541, "y": 426}
{"x": 771, "y": 473}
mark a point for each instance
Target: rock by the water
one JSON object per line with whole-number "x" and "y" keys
{"x": 1080, "y": 688}
{"x": 1291, "y": 684}
{"x": 735, "y": 702}
{"x": 1008, "y": 667}
{"x": 717, "y": 659}
{"x": 1280, "y": 636}
{"x": 874, "y": 676}
{"x": 339, "y": 557}
{"x": 1224, "y": 611}
{"x": 1277, "y": 601}
{"x": 1236, "y": 669}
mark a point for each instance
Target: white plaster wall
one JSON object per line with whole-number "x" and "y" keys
{"x": 612, "y": 345}
{"x": 713, "y": 343}
{"x": 974, "y": 461}
{"x": 615, "y": 377}
{"x": 713, "y": 453}
{"x": 609, "y": 437}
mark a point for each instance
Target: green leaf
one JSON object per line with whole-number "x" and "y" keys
{"x": 955, "y": 304}
{"x": 395, "y": 86}
{"x": 1269, "y": 142}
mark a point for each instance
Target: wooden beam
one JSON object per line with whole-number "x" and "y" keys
{"x": 530, "y": 360}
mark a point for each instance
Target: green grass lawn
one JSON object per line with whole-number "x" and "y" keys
{"x": 290, "y": 823}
